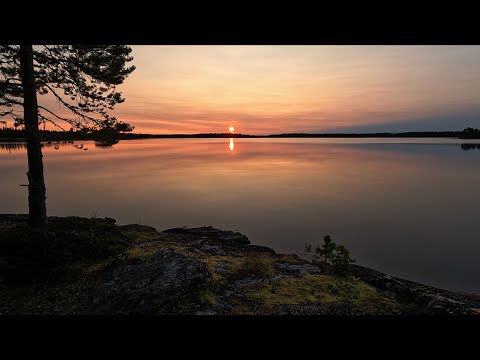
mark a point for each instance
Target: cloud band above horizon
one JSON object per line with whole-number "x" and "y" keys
{"x": 280, "y": 89}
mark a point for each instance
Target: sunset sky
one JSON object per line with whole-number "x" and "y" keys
{"x": 279, "y": 89}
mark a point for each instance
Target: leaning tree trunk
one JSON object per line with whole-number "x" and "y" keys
{"x": 37, "y": 209}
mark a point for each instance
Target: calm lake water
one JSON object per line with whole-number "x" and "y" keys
{"x": 407, "y": 207}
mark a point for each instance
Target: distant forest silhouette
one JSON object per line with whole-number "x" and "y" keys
{"x": 11, "y": 134}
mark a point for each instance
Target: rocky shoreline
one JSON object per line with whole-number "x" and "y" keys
{"x": 210, "y": 271}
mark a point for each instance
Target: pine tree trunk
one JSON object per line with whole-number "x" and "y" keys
{"x": 37, "y": 209}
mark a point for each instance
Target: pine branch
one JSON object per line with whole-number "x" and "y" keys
{"x": 75, "y": 110}
{"x": 87, "y": 74}
{"x": 70, "y": 121}
{"x": 51, "y": 121}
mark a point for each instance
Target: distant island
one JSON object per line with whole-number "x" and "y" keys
{"x": 9, "y": 134}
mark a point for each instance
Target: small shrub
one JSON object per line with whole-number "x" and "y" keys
{"x": 341, "y": 260}
{"x": 331, "y": 257}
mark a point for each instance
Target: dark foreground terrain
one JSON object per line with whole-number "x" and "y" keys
{"x": 93, "y": 266}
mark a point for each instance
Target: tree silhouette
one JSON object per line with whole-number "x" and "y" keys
{"x": 330, "y": 256}
{"x": 341, "y": 260}
{"x": 81, "y": 78}
{"x": 470, "y": 133}
{"x": 327, "y": 248}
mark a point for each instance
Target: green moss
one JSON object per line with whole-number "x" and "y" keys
{"x": 252, "y": 265}
{"x": 206, "y": 297}
{"x": 142, "y": 253}
{"x": 212, "y": 260}
{"x": 290, "y": 259}
{"x": 198, "y": 299}
{"x": 330, "y": 292}
{"x": 142, "y": 234}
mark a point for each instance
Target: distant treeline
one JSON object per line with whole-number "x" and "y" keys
{"x": 367, "y": 135}
{"x": 470, "y": 133}
{"x": 8, "y": 134}
{"x": 206, "y": 135}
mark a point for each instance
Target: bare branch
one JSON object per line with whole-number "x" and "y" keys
{"x": 70, "y": 121}
{"x": 51, "y": 121}
{"x": 76, "y": 111}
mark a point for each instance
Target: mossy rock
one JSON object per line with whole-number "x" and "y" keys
{"x": 329, "y": 294}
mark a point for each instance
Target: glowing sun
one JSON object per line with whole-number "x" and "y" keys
{"x": 231, "y": 129}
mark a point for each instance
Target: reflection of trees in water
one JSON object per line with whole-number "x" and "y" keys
{"x": 12, "y": 146}
{"x": 467, "y": 147}
{"x": 18, "y": 146}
